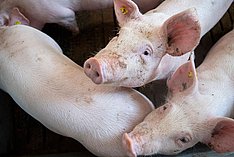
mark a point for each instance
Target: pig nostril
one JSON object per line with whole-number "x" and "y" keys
{"x": 88, "y": 66}
{"x": 97, "y": 74}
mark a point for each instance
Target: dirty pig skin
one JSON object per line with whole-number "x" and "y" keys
{"x": 55, "y": 91}
{"x": 196, "y": 109}
{"x": 151, "y": 46}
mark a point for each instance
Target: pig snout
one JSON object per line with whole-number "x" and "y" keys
{"x": 93, "y": 70}
{"x": 129, "y": 145}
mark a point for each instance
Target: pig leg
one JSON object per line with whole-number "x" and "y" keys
{"x": 67, "y": 19}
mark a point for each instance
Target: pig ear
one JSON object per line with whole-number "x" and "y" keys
{"x": 16, "y": 17}
{"x": 183, "y": 32}
{"x": 184, "y": 78}
{"x": 126, "y": 10}
{"x": 222, "y": 135}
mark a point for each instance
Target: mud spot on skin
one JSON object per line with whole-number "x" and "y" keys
{"x": 212, "y": 2}
{"x": 210, "y": 145}
{"x": 149, "y": 34}
{"x": 142, "y": 61}
{"x": 159, "y": 46}
{"x": 184, "y": 86}
{"x": 38, "y": 59}
{"x": 122, "y": 65}
{"x": 88, "y": 100}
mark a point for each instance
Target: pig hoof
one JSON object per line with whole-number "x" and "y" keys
{"x": 93, "y": 70}
{"x": 128, "y": 146}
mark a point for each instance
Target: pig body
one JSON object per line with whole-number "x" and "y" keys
{"x": 196, "y": 109}
{"x": 54, "y": 11}
{"x": 56, "y": 92}
{"x": 151, "y": 46}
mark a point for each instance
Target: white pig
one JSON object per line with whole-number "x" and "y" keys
{"x": 147, "y": 45}
{"x": 56, "y": 92}
{"x": 196, "y": 110}
{"x": 38, "y": 12}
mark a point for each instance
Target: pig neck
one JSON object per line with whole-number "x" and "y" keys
{"x": 205, "y": 10}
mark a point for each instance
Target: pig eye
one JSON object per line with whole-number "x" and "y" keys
{"x": 184, "y": 140}
{"x": 146, "y": 53}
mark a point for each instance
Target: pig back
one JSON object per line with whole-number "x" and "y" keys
{"x": 220, "y": 58}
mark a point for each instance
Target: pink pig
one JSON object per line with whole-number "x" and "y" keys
{"x": 151, "y": 46}
{"x": 38, "y": 12}
{"x": 196, "y": 111}
{"x": 55, "y": 91}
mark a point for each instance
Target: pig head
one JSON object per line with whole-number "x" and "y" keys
{"x": 14, "y": 17}
{"x": 145, "y": 46}
{"x": 188, "y": 117}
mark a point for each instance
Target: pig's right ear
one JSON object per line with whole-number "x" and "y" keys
{"x": 126, "y": 10}
{"x": 183, "y": 32}
{"x": 184, "y": 79}
{"x": 16, "y": 17}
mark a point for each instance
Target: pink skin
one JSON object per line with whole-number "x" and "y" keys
{"x": 196, "y": 109}
{"x": 147, "y": 44}
{"x": 61, "y": 12}
{"x": 56, "y": 92}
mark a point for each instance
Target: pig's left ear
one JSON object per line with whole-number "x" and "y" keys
{"x": 184, "y": 78}
{"x": 16, "y": 17}
{"x": 222, "y": 136}
{"x": 126, "y": 10}
{"x": 183, "y": 32}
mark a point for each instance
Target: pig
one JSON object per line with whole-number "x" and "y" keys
{"x": 196, "y": 110}
{"x": 151, "y": 46}
{"x": 37, "y": 13}
{"x": 55, "y": 91}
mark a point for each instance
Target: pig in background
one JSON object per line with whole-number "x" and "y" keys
{"x": 150, "y": 46}
{"x": 38, "y": 12}
{"x": 196, "y": 109}
{"x": 56, "y": 92}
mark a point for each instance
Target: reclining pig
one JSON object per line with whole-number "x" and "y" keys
{"x": 196, "y": 111}
{"x": 146, "y": 46}
{"x": 39, "y": 12}
{"x": 56, "y": 92}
